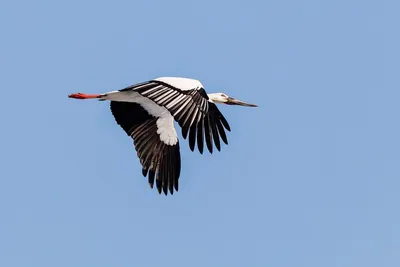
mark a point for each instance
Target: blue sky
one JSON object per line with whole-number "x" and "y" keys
{"x": 310, "y": 178}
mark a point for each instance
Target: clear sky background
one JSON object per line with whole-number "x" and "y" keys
{"x": 310, "y": 178}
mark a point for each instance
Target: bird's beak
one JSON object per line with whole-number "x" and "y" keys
{"x": 232, "y": 101}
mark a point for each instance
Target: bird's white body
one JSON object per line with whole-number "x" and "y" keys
{"x": 147, "y": 112}
{"x": 181, "y": 83}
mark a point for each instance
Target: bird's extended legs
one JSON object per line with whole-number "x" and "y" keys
{"x": 83, "y": 96}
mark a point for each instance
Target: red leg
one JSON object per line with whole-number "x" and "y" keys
{"x": 83, "y": 96}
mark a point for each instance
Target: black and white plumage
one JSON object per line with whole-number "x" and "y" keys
{"x": 147, "y": 111}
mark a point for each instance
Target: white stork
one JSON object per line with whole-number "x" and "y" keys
{"x": 146, "y": 112}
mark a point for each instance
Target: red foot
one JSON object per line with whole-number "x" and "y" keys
{"x": 82, "y": 96}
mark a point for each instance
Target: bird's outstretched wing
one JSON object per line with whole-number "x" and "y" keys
{"x": 159, "y": 160}
{"x": 199, "y": 118}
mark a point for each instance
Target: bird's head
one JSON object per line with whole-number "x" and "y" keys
{"x": 222, "y": 98}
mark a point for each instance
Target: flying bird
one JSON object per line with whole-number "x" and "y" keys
{"x": 146, "y": 112}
